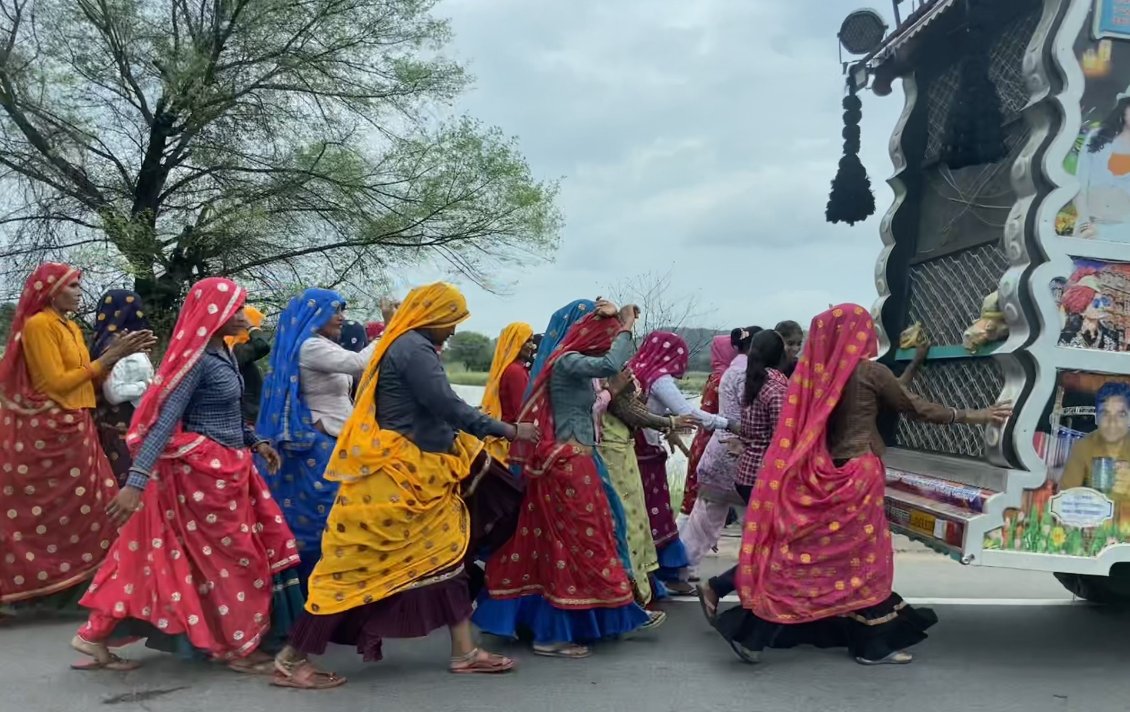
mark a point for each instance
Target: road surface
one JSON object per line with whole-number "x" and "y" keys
{"x": 1007, "y": 641}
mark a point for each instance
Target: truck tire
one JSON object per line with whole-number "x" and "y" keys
{"x": 1113, "y": 590}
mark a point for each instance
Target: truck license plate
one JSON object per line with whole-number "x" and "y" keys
{"x": 922, "y": 523}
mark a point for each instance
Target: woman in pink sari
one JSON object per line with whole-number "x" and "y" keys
{"x": 816, "y": 564}
{"x": 661, "y": 360}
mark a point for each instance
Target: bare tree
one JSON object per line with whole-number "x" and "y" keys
{"x": 278, "y": 141}
{"x": 662, "y": 305}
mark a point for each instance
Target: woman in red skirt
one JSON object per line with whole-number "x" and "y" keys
{"x": 201, "y": 538}
{"x": 55, "y": 481}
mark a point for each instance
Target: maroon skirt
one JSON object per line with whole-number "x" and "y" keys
{"x": 410, "y": 614}
{"x": 494, "y": 500}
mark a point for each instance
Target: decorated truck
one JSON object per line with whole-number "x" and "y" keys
{"x": 1008, "y": 247}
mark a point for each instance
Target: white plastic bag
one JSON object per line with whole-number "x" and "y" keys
{"x": 128, "y": 380}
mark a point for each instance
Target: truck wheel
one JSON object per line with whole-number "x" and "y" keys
{"x": 1113, "y": 590}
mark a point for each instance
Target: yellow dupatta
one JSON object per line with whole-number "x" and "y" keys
{"x": 510, "y": 343}
{"x": 398, "y": 521}
{"x": 255, "y": 318}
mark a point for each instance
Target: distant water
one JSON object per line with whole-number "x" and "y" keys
{"x": 676, "y": 463}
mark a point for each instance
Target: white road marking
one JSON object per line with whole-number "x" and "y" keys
{"x": 945, "y": 601}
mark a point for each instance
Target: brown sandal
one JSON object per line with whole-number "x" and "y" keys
{"x": 302, "y": 675}
{"x": 100, "y": 657}
{"x": 481, "y": 662}
{"x": 245, "y": 666}
{"x": 709, "y": 607}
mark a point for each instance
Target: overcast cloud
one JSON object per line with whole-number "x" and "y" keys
{"x": 694, "y": 137}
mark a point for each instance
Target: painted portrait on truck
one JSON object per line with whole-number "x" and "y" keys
{"x": 1100, "y": 159}
{"x": 1084, "y": 506}
{"x": 1094, "y": 305}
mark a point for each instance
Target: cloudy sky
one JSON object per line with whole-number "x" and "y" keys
{"x": 693, "y": 137}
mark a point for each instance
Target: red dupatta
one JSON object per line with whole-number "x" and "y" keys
{"x": 210, "y": 304}
{"x": 816, "y": 542}
{"x": 663, "y": 354}
{"x": 39, "y": 289}
{"x": 590, "y": 336}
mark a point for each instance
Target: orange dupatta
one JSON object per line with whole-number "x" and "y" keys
{"x": 510, "y": 342}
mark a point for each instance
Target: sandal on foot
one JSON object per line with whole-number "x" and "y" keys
{"x": 100, "y": 657}
{"x": 709, "y": 608}
{"x": 747, "y": 656}
{"x": 302, "y": 675}
{"x": 900, "y": 657}
{"x": 563, "y": 650}
{"x": 680, "y": 588}
{"x": 246, "y": 667}
{"x": 481, "y": 662}
{"x": 654, "y": 620}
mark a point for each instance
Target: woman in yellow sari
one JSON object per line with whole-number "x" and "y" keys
{"x": 398, "y": 533}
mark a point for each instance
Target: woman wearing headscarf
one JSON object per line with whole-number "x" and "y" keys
{"x": 761, "y": 400}
{"x": 201, "y": 539}
{"x": 353, "y": 336}
{"x": 250, "y": 347}
{"x": 398, "y": 532}
{"x": 816, "y": 564}
{"x": 619, "y": 414}
{"x": 494, "y": 497}
{"x": 562, "y": 575}
{"x": 722, "y": 353}
{"x": 718, "y": 466}
{"x": 55, "y": 481}
{"x": 374, "y": 329}
{"x": 306, "y": 401}
{"x": 662, "y": 359}
{"x": 119, "y": 312}
{"x": 507, "y": 381}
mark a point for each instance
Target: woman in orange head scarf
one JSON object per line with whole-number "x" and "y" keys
{"x": 816, "y": 564}
{"x": 55, "y": 480}
{"x": 250, "y": 348}
{"x": 495, "y": 497}
{"x": 398, "y": 533}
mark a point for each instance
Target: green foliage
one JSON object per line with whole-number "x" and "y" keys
{"x": 7, "y": 313}
{"x": 275, "y": 141}
{"x": 474, "y": 351}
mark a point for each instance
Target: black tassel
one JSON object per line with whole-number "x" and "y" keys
{"x": 851, "y": 199}
{"x": 974, "y": 131}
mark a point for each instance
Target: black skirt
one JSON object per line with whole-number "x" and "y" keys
{"x": 870, "y": 633}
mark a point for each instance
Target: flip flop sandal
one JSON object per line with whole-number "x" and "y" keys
{"x": 480, "y": 662}
{"x": 569, "y": 652}
{"x": 655, "y": 619}
{"x": 747, "y": 656}
{"x": 263, "y": 667}
{"x": 900, "y": 657}
{"x": 680, "y": 588}
{"x": 710, "y": 612}
{"x": 113, "y": 663}
{"x": 100, "y": 658}
{"x": 304, "y": 676}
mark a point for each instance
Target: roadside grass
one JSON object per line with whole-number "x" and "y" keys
{"x": 692, "y": 384}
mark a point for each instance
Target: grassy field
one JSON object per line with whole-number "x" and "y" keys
{"x": 693, "y": 383}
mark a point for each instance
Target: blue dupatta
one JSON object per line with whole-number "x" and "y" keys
{"x": 285, "y": 420}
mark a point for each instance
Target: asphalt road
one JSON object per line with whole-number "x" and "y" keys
{"x": 1022, "y": 645}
